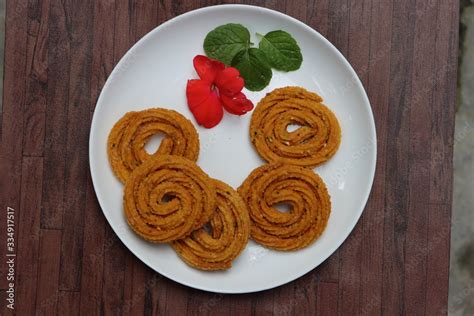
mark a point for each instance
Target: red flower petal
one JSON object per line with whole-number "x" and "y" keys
{"x": 229, "y": 81}
{"x": 207, "y": 68}
{"x": 209, "y": 113}
{"x": 238, "y": 104}
{"x": 196, "y": 92}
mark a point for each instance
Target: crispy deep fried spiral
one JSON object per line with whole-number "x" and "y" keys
{"x": 228, "y": 235}
{"x": 313, "y": 143}
{"x": 297, "y": 186}
{"x": 167, "y": 197}
{"x": 129, "y": 135}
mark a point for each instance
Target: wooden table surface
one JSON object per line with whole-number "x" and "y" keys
{"x": 68, "y": 261}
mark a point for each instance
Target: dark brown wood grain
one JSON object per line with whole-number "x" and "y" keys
{"x": 58, "y": 55}
{"x": 77, "y": 18}
{"x": 396, "y": 178}
{"x": 68, "y": 303}
{"x": 29, "y": 234}
{"x": 372, "y": 220}
{"x": 37, "y": 73}
{"x": 92, "y": 259}
{"x": 48, "y": 271}
{"x": 328, "y": 298}
{"x": 12, "y": 119}
{"x": 419, "y": 157}
{"x": 56, "y": 116}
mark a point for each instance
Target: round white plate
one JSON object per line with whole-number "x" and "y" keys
{"x": 153, "y": 73}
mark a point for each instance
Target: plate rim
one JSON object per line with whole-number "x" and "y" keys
{"x": 289, "y": 277}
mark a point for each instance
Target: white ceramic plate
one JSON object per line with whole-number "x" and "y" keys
{"x": 154, "y": 72}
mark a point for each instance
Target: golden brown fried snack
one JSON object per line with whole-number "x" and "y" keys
{"x": 228, "y": 236}
{"x": 167, "y": 197}
{"x": 313, "y": 143}
{"x": 297, "y": 186}
{"x": 129, "y": 135}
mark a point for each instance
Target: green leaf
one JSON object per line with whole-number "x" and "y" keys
{"x": 282, "y": 50}
{"x": 225, "y": 41}
{"x": 254, "y": 68}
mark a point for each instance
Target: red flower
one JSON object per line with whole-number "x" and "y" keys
{"x": 218, "y": 87}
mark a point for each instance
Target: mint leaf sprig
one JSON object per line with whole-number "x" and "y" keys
{"x": 225, "y": 41}
{"x": 282, "y": 50}
{"x": 253, "y": 67}
{"x": 230, "y": 44}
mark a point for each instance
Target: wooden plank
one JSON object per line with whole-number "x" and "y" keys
{"x": 128, "y": 281}
{"x": 299, "y": 10}
{"x": 419, "y": 155}
{"x": 268, "y": 3}
{"x": 122, "y": 37}
{"x": 306, "y": 294}
{"x": 241, "y": 304}
{"x": 439, "y": 223}
{"x": 102, "y": 47}
{"x": 374, "y": 213}
{"x": 416, "y": 238}
{"x": 68, "y": 303}
{"x": 258, "y": 3}
{"x": 444, "y": 90}
{"x": 93, "y": 281}
{"x": 318, "y": 16}
{"x": 148, "y": 304}
{"x": 113, "y": 277}
{"x": 141, "y": 301}
{"x": 28, "y": 235}
{"x": 284, "y": 6}
{"x": 176, "y": 299}
{"x": 56, "y": 117}
{"x": 201, "y": 303}
{"x": 328, "y": 298}
{"x": 262, "y": 303}
{"x": 360, "y": 15}
{"x": 134, "y": 300}
{"x": 93, "y": 255}
{"x": 423, "y": 79}
{"x": 36, "y": 77}
{"x": 285, "y": 297}
{"x": 349, "y": 272}
{"x": 80, "y": 33}
{"x": 222, "y": 304}
{"x": 437, "y": 261}
{"x": 144, "y": 18}
{"x": 338, "y": 25}
{"x": 48, "y": 272}
{"x": 396, "y": 177}
{"x": 329, "y": 269}
{"x": 168, "y": 9}
{"x": 12, "y": 117}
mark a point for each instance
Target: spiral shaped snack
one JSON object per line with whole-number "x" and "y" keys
{"x": 167, "y": 197}
{"x": 228, "y": 235}
{"x": 313, "y": 143}
{"x": 129, "y": 135}
{"x": 299, "y": 187}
